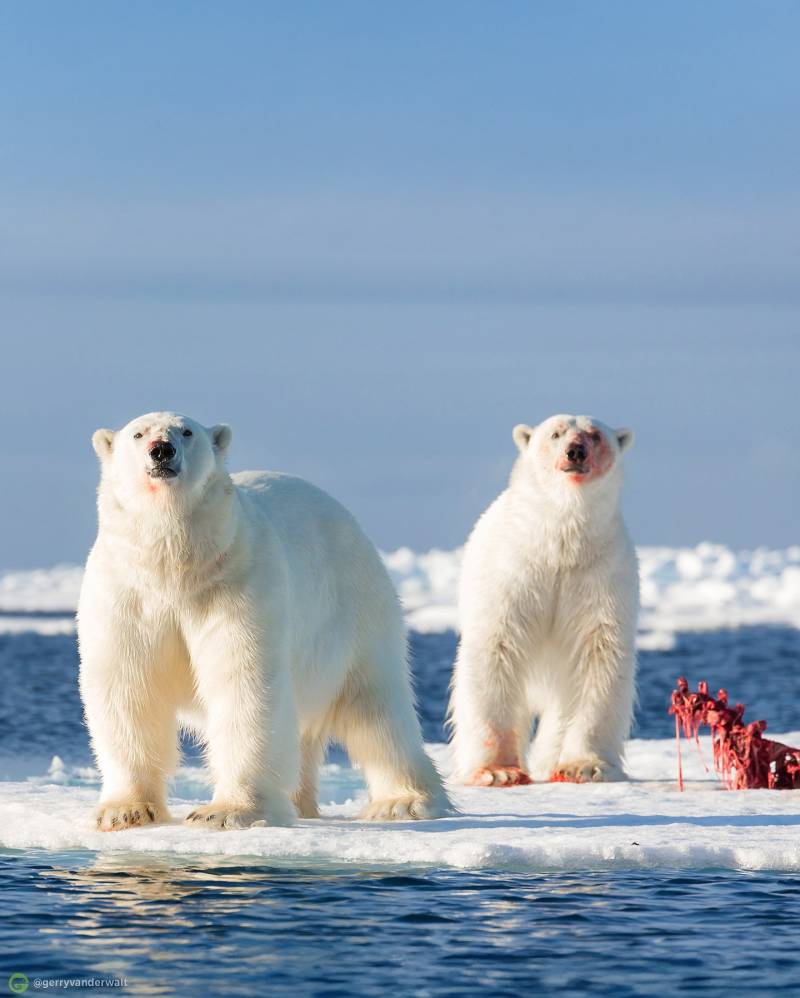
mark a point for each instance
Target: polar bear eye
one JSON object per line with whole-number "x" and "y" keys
{"x": 187, "y": 433}
{"x": 137, "y": 436}
{"x": 555, "y": 435}
{"x": 595, "y": 436}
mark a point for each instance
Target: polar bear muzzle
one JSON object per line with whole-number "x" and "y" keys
{"x": 586, "y": 455}
{"x": 162, "y": 454}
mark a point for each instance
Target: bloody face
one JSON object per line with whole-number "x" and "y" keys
{"x": 582, "y": 453}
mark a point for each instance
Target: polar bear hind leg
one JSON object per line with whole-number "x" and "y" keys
{"x": 376, "y": 722}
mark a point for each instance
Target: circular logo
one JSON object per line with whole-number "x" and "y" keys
{"x": 18, "y": 983}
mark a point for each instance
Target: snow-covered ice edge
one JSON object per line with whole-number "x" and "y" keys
{"x": 683, "y": 589}
{"x": 701, "y": 588}
{"x": 645, "y": 823}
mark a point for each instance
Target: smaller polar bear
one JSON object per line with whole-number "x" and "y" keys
{"x": 548, "y": 601}
{"x": 251, "y": 610}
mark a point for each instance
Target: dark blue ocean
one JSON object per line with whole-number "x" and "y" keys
{"x": 207, "y": 926}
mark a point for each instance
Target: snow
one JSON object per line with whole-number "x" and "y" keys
{"x": 45, "y": 590}
{"x": 683, "y": 589}
{"x": 645, "y": 823}
{"x": 39, "y": 625}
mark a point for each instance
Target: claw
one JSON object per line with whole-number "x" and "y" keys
{"x": 500, "y": 776}
{"x": 117, "y": 816}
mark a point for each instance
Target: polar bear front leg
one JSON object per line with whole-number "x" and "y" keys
{"x": 131, "y": 718}
{"x": 490, "y": 718}
{"x": 601, "y": 709}
{"x": 251, "y": 732}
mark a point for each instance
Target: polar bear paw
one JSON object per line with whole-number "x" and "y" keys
{"x": 224, "y": 816}
{"x": 590, "y": 770}
{"x": 117, "y": 815}
{"x": 413, "y": 807}
{"x": 499, "y": 776}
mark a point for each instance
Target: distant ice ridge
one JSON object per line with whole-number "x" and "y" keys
{"x": 683, "y": 589}
{"x": 701, "y": 588}
{"x": 42, "y": 590}
{"x": 644, "y": 824}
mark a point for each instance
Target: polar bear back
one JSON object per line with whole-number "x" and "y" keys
{"x": 341, "y": 599}
{"x": 304, "y": 517}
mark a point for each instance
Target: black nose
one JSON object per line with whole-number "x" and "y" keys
{"x": 161, "y": 451}
{"x": 576, "y": 453}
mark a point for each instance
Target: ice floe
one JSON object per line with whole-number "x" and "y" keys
{"x": 644, "y": 823}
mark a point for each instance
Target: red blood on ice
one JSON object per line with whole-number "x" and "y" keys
{"x": 743, "y": 759}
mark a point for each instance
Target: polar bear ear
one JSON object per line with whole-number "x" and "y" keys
{"x": 522, "y": 434}
{"x": 221, "y": 436}
{"x": 103, "y": 443}
{"x": 625, "y": 439}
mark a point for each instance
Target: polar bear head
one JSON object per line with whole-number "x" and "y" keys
{"x": 160, "y": 458}
{"x": 572, "y": 454}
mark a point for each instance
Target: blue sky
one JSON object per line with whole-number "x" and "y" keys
{"x": 373, "y": 237}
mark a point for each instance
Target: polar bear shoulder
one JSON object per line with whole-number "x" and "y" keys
{"x": 299, "y": 512}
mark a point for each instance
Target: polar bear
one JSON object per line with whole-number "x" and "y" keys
{"x": 548, "y": 599}
{"x": 251, "y": 610}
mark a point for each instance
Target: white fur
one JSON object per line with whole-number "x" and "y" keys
{"x": 253, "y": 611}
{"x": 547, "y": 605}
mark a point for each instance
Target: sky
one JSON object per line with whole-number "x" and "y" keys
{"x": 374, "y": 237}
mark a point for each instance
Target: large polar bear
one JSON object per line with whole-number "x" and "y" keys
{"x": 252, "y": 610}
{"x": 548, "y": 602}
